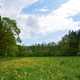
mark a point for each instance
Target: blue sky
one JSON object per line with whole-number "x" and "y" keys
{"x": 48, "y": 5}
{"x": 76, "y": 17}
{"x": 45, "y": 39}
{"x": 42, "y": 21}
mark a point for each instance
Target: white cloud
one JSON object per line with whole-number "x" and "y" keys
{"x": 28, "y": 25}
{"x": 70, "y": 8}
{"x": 41, "y": 24}
{"x": 59, "y": 19}
{"x": 55, "y": 21}
{"x": 45, "y": 9}
{"x": 12, "y": 8}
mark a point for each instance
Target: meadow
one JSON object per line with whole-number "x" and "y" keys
{"x": 40, "y": 68}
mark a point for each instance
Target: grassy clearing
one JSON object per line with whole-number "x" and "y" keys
{"x": 40, "y": 68}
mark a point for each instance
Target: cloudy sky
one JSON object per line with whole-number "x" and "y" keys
{"x": 42, "y": 21}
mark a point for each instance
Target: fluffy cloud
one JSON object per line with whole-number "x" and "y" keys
{"x": 41, "y": 25}
{"x": 44, "y": 9}
{"x": 58, "y": 20}
{"x": 12, "y": 8}
{"x": 72, "y": 7}
{"x": 28, "y": 25}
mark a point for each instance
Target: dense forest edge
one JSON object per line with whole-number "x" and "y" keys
{"x": 69, "y": 45}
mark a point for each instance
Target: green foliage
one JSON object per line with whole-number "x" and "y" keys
{"x": 68, "y": 46}
{"x": 9, "y": 35}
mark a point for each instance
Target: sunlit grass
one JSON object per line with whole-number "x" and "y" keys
{"x": 40, "y": 68}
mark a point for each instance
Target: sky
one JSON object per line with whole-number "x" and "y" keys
{"x": 42, "y": 21}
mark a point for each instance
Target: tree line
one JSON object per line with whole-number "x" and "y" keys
{"x": 9, "y": 37}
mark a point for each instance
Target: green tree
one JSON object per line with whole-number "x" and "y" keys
{"x": 70, "y": 43}
{"x": 9, "y": 36}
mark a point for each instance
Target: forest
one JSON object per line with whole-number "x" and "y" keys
{"x": 69, "y": 45}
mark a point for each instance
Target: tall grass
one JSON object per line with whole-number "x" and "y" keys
{"x": 40, "y": 68}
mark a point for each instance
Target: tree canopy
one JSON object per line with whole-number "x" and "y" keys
{"x": 9, "y": 36}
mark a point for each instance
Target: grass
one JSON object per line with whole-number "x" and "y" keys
{"x": 40, "y": 68}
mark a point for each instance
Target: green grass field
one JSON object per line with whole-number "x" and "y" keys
{"x": 40, "y": 68}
